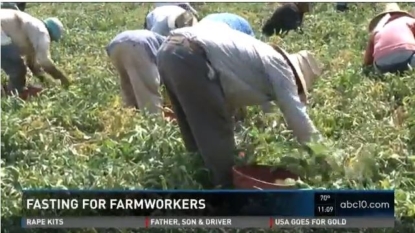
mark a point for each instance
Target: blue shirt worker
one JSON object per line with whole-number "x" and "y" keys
{"x": 234, "y": 21}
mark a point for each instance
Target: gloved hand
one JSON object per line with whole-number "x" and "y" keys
{"x": 366, "y": 70}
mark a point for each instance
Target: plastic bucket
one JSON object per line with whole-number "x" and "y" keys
{"x": 30, "y": 91}
{"x": 261, "y": 177}
{"x": 169, "y": 114}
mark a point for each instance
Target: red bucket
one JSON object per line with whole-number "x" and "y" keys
{"x": 169, "y": 114}
{"x": 30, "y": 91}
{"x": 261, "y": 177}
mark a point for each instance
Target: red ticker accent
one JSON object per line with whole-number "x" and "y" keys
{"x": 271, "y": 221}
{"x": 147, "y": 222}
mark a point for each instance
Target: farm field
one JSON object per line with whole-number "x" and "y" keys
{"x": 83, "y": 138}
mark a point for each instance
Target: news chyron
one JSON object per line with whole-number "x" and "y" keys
{"x": 203, "y": 209}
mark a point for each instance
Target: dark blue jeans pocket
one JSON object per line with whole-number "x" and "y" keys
{"x": 396, "y": 62}
{"x": 13, "y": 65}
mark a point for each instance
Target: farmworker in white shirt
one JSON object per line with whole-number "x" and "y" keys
{"x": 207, "y": 75}
{"x": 184, "y": 5}
{"x": 163, "y": 19}
{"x": 33, "y": 38}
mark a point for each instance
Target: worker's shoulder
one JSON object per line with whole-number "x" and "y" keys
{"x": 20, "y": 16}
{"x": 167, "y": 9}
{"x": 8, "y": 14}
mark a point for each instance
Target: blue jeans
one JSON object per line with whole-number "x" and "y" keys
{"x": 396, "y": 62}
{"x": 13, "y": 65}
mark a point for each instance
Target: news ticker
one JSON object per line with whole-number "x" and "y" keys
{"x": 305, "y": 203}
{"x": 206, "y": 222}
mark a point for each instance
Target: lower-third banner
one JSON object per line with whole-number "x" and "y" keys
{"x": 206, "y": 222}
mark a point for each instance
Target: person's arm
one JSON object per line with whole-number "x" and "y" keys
{"x": 368, "y": 58}
{"x": 286, "y": 92}
{"x": 41, "y": 58}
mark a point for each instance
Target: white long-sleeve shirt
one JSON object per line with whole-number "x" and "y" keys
{"x": 28, "y": 33}
{"x": 252, "y": 73}
{"x": 186, "y": 4}
{"x": 157, "y": 19}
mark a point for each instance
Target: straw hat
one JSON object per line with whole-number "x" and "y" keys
{"x": 306, "y": 65}
{"x": 185, "y": 19}
{"x": 390, "y": 8}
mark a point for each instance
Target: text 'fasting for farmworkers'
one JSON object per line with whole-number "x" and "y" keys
{"x": 115, "y": 204}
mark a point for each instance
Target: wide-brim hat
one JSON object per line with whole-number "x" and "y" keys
{"x": 390, "y": 8}
{"x": 307, "y": 67}
{"x": 185, "y": 19}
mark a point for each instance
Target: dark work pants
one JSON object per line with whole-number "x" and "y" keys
{"x": 205, "y": 122}
{"x": 341, "y": 6}
{"x": 396, "y": 62}
{"x": 13, "y": 65}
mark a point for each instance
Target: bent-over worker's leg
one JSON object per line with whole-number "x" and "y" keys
{"x": 187, "y": 135}
{"x": 202, "y": 100}
{"x": 144, "y": 78}
{"x": 127, "y": 92}
{"x": 13, "y": 65}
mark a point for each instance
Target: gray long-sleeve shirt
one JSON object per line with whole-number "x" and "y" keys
{"x": 252, "y": 73}
{"x": 149, "y": 40}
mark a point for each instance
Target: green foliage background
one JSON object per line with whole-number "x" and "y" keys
{"x": 83, "y": 138}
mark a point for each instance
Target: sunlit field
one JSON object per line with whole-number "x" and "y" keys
{"x": 83, "y": 137}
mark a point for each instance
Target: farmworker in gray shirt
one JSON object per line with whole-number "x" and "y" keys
{"x": 163, "y": 19}
{"x": 207, "y": 75}
{"x": 133, "y": 53}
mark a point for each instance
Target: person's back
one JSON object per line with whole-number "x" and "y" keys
{"x": 157, "y": 19}
{"x": 238, "y": 79}
{"x": 149, "y": 40}
{"x": 396, "y": 35}
{"x": 26, "y": 31}
{"x": 234, "y": 21}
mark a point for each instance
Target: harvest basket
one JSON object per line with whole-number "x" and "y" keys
{"x": 261, "y": 177}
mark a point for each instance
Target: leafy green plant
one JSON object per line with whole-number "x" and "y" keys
{"x": 83, "y": 137}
